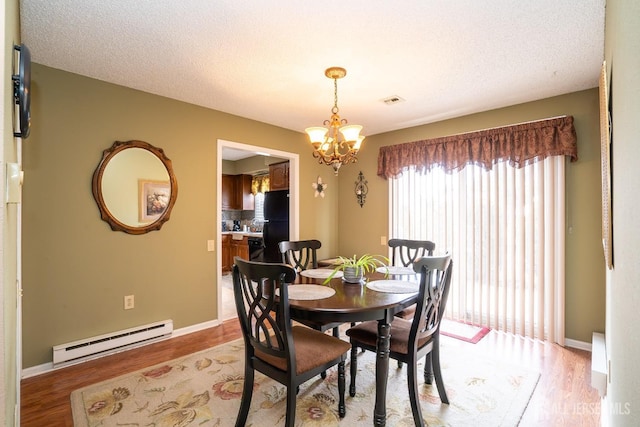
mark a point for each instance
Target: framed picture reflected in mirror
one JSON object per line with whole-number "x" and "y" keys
{"x": 154, "y": 199}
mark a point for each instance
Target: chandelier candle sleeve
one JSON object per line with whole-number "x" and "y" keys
{"x": 339, "y": 144}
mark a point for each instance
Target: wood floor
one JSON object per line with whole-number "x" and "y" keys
{"x": 563, "y": 396}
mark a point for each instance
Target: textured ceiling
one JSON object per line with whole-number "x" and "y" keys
{"x": 265, "y": 60}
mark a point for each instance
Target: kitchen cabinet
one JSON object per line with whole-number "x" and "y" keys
{"x": 240, "y": 248}
{"x": 228, "y": 192}
{"x": 279, "y": 176}
{"x": 236, "y": 193}
{"x": 246, "y": 199}
{"x": 226, "y": 253}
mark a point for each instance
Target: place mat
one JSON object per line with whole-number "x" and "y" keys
{"x": 393, "y": 286}
{"x": 393, "y": 269}
{"x": 320, "y": 273}
{"x": 309, "y": 292}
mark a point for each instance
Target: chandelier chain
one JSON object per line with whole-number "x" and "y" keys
{"x": 335, "y": 108}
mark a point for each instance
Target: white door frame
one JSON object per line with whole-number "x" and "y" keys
{"x": 294, "y": 199}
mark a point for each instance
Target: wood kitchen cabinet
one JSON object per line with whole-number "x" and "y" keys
{"x": 279, "y": 176}
{"x": 246, "y": 199}
{"x": 236, "y": 193}
{"x": 228, "y": 192}
{"x": 226, "y": 253}
{"x": 240, "y": 248}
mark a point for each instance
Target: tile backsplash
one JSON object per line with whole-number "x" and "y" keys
{"x": 245, "y": 218}
{"x": 241, "y": 215}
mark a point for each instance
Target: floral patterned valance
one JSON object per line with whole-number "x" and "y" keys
{"x": 259, "y": 184}
{"x": 518, "y": 144}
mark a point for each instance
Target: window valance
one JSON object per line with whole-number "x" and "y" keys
{"x": 259, "y": 184}
{"x": 518, "y": 144}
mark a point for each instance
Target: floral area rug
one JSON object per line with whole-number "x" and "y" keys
{"x": 204, "y": 389}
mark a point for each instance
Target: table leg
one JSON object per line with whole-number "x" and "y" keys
{"x": 382, "y": 373}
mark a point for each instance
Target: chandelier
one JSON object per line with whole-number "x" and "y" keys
{"x": 340, "y": 143}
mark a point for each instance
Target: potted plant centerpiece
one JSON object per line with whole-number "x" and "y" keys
{"x": 354, "y": 268}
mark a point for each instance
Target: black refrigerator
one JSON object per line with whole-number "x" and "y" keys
{"x": 276, "y": 223}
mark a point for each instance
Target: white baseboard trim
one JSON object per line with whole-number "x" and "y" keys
{"x": 580, "y": 345}
{"x": 48, "y": 367}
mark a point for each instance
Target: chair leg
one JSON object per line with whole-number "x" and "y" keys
{"x": 438, "y": 373}
{"x": 354, "y": 370}
{"x": 428, "y": 369}
{"x": 412, "y": 382}
{"x": 290, "y": 420}
{"x": 336, "y": 333}
{"x": 400, "y": 364}
{"x": 247, "y": 392}
{"x": 342, "y": 410}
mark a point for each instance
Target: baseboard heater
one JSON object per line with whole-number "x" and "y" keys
{"x": 102, "y": 344}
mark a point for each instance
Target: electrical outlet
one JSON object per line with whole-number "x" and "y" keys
{"x": 383, "y": 240}
{"x": 128, "y": 302}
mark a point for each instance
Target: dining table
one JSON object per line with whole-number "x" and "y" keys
{"x": 378, "y": 297}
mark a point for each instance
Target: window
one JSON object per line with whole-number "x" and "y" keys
{"x": 504, "y": 228}
{"x": 259, "y": 207}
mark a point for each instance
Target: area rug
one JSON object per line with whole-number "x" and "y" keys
{"x": 463, "y": 331}
{"x": 204, "y": 389}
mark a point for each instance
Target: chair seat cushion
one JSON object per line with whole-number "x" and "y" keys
{"x": 407, "y": 313}
{"x": 318, "y": 326}
{"x": 367, "y": 333}
{"x": 313, "y": 349}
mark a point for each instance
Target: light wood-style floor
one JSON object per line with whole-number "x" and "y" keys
{"x": 563, "y": 396}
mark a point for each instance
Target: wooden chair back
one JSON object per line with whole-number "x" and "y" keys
{"x": 435, "y": 281}
{"x": 260, "y": 291}
{"x": 405, "y": 251}
{"x": 301, "y": 254}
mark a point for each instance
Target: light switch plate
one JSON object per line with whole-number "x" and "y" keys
{"x": 211, "y": 245}
{"x": 14, "y": 181}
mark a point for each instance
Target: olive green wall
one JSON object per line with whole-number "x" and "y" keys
{"x": 361, "y": 228}
{"x": 76, "y": 270}
{"x": 622, "y": 405}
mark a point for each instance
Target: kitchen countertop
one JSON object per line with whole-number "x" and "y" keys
{"x": 243, "y": 233}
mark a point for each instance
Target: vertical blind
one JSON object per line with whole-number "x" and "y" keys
{"x": 505, "y": 229}
{"x": 495, "y": 200}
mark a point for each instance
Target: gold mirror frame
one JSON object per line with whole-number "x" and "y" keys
{"x": 105, "y": 213}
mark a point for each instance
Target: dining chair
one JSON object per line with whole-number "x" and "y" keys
{"x": 405, "y": 252}
{"x": 302, "y": 255}
{"x": 416, "y": 338}
{"x": 288, "y": 354}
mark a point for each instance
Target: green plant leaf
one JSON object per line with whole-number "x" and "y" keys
{"x": 367, "y": 262}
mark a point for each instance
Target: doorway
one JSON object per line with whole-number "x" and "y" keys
{"x": 224, "y": 288}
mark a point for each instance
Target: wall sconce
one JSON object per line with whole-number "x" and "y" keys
{"x": 361, "y": 189}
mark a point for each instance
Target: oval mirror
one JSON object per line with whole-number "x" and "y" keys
{"x": 135, "y": 187}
